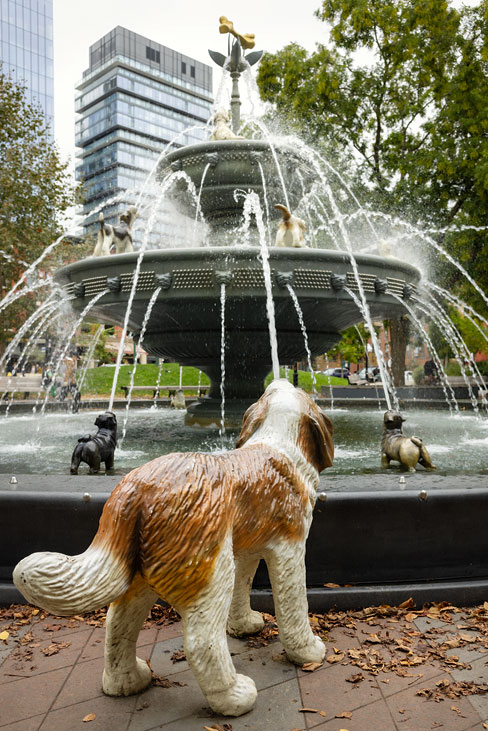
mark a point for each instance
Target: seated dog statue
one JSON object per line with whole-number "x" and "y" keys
{"x": 119, "y": 236}
{"x": 290, "y": 229}
{"x": 191, "y": 528}
{"x": 221, "y": 130}
{"x": 177, "y": 401}
{"x": 409, "y": 451}
{"x": 97, "y": 448}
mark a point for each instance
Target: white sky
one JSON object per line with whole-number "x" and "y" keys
{"x": 189, "y": 26}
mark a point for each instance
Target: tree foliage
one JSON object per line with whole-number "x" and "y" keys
{"x": 34, "y": 192}
{"x": 403, "y": 84}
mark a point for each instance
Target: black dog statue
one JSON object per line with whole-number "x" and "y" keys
{"x": 99, "y": 447}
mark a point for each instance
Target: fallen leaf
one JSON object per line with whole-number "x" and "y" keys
{"x": 218, "y": 727}
{"x": 407, "y": 604}
{"x": 309, "y": 710}
{"x": 331, "y": 585}
{"x": 485, "y": 725}
{"x": 344, "y": 714}
{"x": 309, "y": 667}
{"x": 357, "y": 678}
{"x": 323, "y": 714}
{"x": 373, "y": 639}
{"x": 336, "y": 658}
{"x": 410, "y": 617}
{"x": 4, "y": 635}
{"x": 178, "y": 656}
{"x": 90, "y": 717}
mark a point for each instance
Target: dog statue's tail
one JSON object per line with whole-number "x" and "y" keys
{"x": 417, "y": 441}
{"x": 284, "y": 211}
{"x": 66, "y": 585}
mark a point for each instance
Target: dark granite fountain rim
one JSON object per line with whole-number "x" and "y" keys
{"x": 229, "y": 146}
{"x": 225, "y": 254}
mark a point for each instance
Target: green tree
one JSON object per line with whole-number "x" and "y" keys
{"x": 403, "y": 84}
{"x": 35, "y": 190}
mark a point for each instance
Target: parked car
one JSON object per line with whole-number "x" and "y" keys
{"x": 337, "y": 372}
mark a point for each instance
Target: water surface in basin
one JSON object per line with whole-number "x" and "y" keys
{"x": 31, "y": 445}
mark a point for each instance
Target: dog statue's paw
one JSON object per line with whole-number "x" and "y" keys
{"x": 246, "y": 625}
{"x": 127, "y": 683}
{"x": 236, "y": 700}
{"x": 314, "y": 651}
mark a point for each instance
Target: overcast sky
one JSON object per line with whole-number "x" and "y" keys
{"x": 189, "y": 26}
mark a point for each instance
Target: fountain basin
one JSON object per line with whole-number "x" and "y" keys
{"x": 185, "y": 323}
{"x": 388, "y": 546}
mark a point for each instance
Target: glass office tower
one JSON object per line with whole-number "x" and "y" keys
{"x": 26, "y": 48}
{"x": 135, "y": 97}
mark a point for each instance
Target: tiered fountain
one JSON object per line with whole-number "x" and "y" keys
{"x": 185, "y": 322}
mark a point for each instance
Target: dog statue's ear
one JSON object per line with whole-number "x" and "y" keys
{"x": 252, "y": 420}
{"x": 315, "y": 439}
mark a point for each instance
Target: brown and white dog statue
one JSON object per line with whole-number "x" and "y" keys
{"x": 290, "y": 229}
{"x": 118, "y": 236}
{"x": 409, "y": 451}
{"x": 191, "y": 528}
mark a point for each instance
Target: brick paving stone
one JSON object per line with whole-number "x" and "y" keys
{"x": 67, "y": 626}
{"x": 15, "y": 664}
{"x": 83, "y": 683}
{"x": 328, "y": 690}
{"x": 422, "y": 674}
{"x": 277, "y": 709}
{"x": 161, "y": 661}
{"x": 158, "y": 706}
{"x": 168, "y": 631}
{"x": 415, "y": 713}
{"x": 373, "y": 717}
{"x": 478, "y": 672}
{"x": 112, "y": 714}
{"x": 27, "y": 724}
{"x": 261, "y": 666}
{"x": 30, "y": 696}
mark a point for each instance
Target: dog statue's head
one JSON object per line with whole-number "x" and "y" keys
{"x": 107, "y": 420}
{"x": 285, "y": 415}
{"x": 393, "y": 420}
{"x": 128, "y": 217}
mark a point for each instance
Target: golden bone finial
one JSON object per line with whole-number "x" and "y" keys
{"x": 227, "y": 26}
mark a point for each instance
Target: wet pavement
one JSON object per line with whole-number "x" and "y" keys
{"x": 386, "y": 669}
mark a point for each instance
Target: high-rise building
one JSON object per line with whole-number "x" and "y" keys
{"x": 135, "y": 97}
{"x": 26, "y": 49}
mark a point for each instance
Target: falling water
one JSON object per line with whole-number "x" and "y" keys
{"x": 442, "y": 322}
{"x": 89, "y": 355}
{"x": 222, "y": 362}
{"x": 450, "y": 400}
{"x": 158, "y": 381}
{"x": 73, "y": 330}
{"x": 181, "y": 376}
{"x": 164, "y": 188}
{"x": 198, "y": 211}
{"x": 327, "y": 365}
{"x": 252, "y": 203}
{"x": 387, "y": 387}
{"x": 48, "y": 306}
{"x": 460, "y": 303}
{"x": 150, "y": 306}
{"x": 304, "y": 333}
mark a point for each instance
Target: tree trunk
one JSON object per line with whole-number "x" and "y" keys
{"x": 399, "y": 337}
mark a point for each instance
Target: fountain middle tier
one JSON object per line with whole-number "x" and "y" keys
{"x": 185, "y": 321}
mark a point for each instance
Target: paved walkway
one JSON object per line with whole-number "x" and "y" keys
{"x": 386, "y": 670}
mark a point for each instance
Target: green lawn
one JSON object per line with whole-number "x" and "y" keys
{"x": 98, "y": 381}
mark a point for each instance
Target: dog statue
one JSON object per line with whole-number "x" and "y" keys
{"x": 119, "y": 236}
{"x": 97, "y": 448}
{"x": 290, "y": 230}
{"x": 177, "y": 401}
{"x": 221, "y": 130}
{"x": 407, "y": 450}
{"x": 191, "y": 528}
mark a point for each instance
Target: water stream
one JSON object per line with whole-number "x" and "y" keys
{"x": 222, "y": 362}
{"x": 305, "y": 336}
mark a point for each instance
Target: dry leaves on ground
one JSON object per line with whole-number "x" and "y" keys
{"x": 89, "y": 717}
{"x": 178, "y": 656}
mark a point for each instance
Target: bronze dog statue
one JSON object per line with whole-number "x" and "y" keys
{"x": 409, "y": 451}
{"x": 96, "y": 448}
